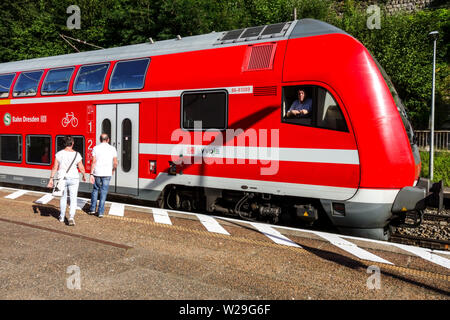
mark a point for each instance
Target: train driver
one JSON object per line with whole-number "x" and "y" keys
{"x": 300, "y": 107}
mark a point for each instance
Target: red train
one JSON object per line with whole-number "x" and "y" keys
{"x": 201, "y": 123}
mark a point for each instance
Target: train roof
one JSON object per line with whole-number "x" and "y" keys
{"x": 275, "y": 32}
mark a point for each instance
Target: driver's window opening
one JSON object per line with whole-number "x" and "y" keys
{"x": 312, "y": 106}
{"x": 298, "y": 104}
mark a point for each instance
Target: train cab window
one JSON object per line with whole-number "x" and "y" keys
{"x": 207, "y": 109}
{"x": 90, "y": 78}
{"x": 57, "y": 81}
{"x": 312, "y": 106}
{"x": 11, "y": 148}
{"x": 5, "y": 84}
{"x": 129, "y": 75}
{"x": 78, "y": 144}
{"x": 27, "y": 84}
{"x": 39, "y": 150}
{"x": 329, "y": 115}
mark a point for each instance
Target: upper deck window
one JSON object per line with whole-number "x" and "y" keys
{"x": 57, "y": 81}
{"x": 5, "y": 84}
{"x": 90, "y": 78}
{"x": 129, "y": 75}
{"x": 27, "y": 84}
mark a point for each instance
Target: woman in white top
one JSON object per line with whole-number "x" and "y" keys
{"x": 64, "y": 159}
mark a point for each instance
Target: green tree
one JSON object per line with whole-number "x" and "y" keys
{"x": 30, "y": 29}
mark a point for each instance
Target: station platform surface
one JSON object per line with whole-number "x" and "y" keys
{"x": 148, "y": 253}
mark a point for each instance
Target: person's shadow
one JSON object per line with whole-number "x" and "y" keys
{"x": 46, "y": 211}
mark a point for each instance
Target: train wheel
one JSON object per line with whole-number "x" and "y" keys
{"x": 161, "y": 200}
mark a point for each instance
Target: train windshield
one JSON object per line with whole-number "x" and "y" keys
{"x": 398, "y": 102}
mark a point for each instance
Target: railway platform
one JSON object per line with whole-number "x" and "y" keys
{"x": 137, "y": 252}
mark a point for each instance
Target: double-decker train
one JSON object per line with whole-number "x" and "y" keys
{"x": 202, "y": 123}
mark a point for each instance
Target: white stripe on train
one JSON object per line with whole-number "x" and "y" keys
{"x": 335, "y": 156}
{"x": 279, "y": 188}
{"x": 127, "y": 95}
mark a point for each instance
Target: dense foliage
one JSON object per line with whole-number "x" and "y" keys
{"x": 31, "y": 28}
{"x": 441, "y": 165}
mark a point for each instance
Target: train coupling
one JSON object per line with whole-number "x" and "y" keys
{"x": 423, "y": 195}
{"x": 435, "y": 193}
{"x": 412, "y": 201}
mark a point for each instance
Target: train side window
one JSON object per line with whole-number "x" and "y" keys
{"x": 11, "y": 148}
{"x": 323, "y": 110}
{"x": 129, "y": 75}
{"x": 39, "y": 149}
{"x": 207, "y": 109}
{"x": 27, "y": 84}
{"x": 106, "y": 128}
{"x": 57, "y": 81}
{"x": 126, "y": 145}
{"x": 5, "y": 84}
{"x": 78, "y": 144}
{"x": 90, "y": 78}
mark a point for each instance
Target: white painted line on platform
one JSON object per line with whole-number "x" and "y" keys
{"x": 211, "y": 224}
{"x": 16, "y": 194}
{"x": 117, "y": 209}
{"x": 274, "y": 235}
{"x": 81, "y": 203}
{"x": 350, "y": 247}
{"x": 45, "y": 199}
{"x": 425, "y": 254}
{"x": 161, "y": 216}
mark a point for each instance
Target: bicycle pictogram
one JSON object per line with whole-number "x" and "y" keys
{"x": 69, "y": 118}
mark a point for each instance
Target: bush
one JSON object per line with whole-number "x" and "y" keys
{"x": 441, "y": 169}
{"x": 30, "y": 29}
{"x": 403, "y": 48}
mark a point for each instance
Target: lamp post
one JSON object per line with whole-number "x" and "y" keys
{"x": 433, "y": 35}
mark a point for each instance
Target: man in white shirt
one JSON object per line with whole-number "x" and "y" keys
{"x": 104, "y": 164}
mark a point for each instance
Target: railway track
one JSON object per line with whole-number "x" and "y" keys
{"x": 436, "y": 217}
{"x": 421, "y": 241}
{"x": 431, "y": 234}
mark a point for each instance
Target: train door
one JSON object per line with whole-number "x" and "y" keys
{"x": 121, "y": 122}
